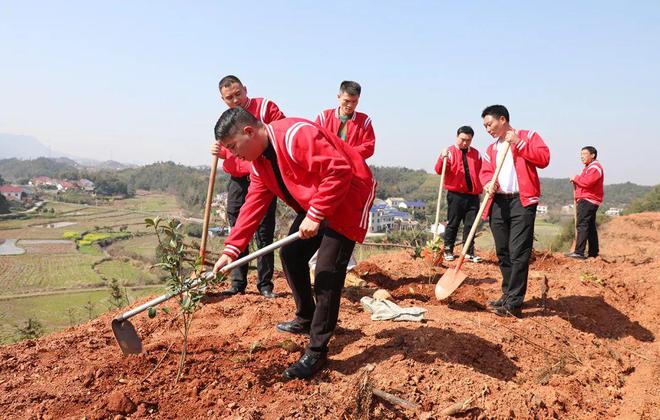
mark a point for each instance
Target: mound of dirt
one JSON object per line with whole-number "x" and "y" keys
{"x": 587, "y": 347}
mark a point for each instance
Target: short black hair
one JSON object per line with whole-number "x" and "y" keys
{"x": 350, "y": 87}
{"x": 496, "y": 111}
{"x": 231, "y": 121}
{"x": 466, "y": 129}
{"x": 228, "y": 81}
{"x": 591, "y": 150}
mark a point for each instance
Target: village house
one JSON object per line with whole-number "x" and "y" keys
{"x": 42, "y": 180}
{"x": 614, "y": 211}
{"x": 86, "y": 185}
{"x": 13, "y": 193}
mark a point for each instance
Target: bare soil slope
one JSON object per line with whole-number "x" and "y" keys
{"x": 587, "y": 347}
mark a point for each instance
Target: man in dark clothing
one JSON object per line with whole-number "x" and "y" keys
{"x": 463, "y": 188}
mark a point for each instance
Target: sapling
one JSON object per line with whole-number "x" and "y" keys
{"x": 183, "y": 275}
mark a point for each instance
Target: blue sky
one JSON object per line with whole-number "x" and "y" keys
{"x": 137, "y": 81}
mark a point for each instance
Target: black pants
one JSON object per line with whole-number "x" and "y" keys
{"x": 586, "y": 228}
{"x": 334, "y": 253}
{"x": 236, "y": 192}
{"x": 460, "y": 207}
{"x": 512, "y": 226}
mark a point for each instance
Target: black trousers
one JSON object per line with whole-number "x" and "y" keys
{"x": 586, "y": 228}
{"x": 334, "y": 253}
{"x": 512, "y": 226}
{"x": 236, "y": 192}
{"x": 460, "y": 208}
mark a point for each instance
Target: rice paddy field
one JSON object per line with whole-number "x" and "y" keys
{"x": 60, "y": 277}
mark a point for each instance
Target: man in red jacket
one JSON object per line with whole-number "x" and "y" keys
{"x": 330, "y": 187}
{"x": 589, "y": 196}
{"x": 234, "y": 94}
{"x": 353, "y": 127}
{"x": 515, "y": 195}
{"x": 463, "y": 188}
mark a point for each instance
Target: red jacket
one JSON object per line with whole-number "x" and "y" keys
{"x": 589, "y": 184}
{"x": 265, "y": 111}
{"x": 359, "y": 131}
{"x": 455, "y": 174}
{"x": 326, "y": 177}
{"x": 529, "y": 153}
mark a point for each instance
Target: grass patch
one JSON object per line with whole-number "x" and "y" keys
{"x": 57, "y": 312}
{"x": 100, "y": 236}
{"x": 71, "y": 235}
{"x": 89, "y": 249}
{"x": 126, "y": 273}
{"x": 157, "y": 203}
{"x": 37, "y": 272}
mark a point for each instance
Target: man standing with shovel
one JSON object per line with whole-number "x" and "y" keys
{"x": 331, "y": 188}
{"x": 515, "y": 193}
{"x": 234, "y": 93}
{"x": 463, "y": 188}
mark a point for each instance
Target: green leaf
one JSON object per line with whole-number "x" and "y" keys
{"x": 152, "y": 312}
{"x": 166, "y": 310}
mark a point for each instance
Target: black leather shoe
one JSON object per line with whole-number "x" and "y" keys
{"x": 506, "y": 310}
{"x": 293, "y": 327}
{"x": 305, "y": 367}
{"x": 494, "y": 304}
{"x": 233, "y": 290}
{"x": 576, "y": 256}
{"x": 269, "y": 294}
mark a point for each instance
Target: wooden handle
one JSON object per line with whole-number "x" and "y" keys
{"x": 484, "y": 201}
{"x": 437, "y": 208}
{"x": 207, "y": 210}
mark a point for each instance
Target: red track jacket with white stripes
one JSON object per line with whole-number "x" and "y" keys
{"x": 265, "y": 111}
{"x": 589, "y": 184}
{"x": 325, "y": 176}
{"x": 359, "y": 131}
{"x": 455, "y": 174}
{"x": 529, "y": 153}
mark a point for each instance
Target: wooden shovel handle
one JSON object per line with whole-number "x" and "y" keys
{"x": 207, "y": 210}
{"x": 437, "y": 207}
{"x": 484, "y": 201}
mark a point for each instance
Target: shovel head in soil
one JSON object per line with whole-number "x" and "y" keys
{"x": 448, "y": 283}
{"x": 126, "y": 337}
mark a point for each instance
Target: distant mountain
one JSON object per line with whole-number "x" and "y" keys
{"x": 14, "y": 146}
{"x": 18, "y": 170}
{"x": 111, "y": 165}
{"x": 22, "y": 147}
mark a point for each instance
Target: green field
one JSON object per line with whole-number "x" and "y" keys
{"x": 544, "y": 233}
{"x": 127, "y": 273}
{"x": 157, "y": 203}
{"x": 52, "y": 282}
{"x": 30, "y": 273}
{"x": 59, "y": 311}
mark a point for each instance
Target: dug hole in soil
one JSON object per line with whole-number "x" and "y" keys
{"x": 586, "y": 348}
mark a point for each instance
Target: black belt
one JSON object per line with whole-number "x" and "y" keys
{"x": 507, "y": 195}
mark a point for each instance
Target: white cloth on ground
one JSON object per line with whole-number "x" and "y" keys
{"x": 383, "y": 310}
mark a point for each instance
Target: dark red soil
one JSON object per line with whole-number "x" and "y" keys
{"x": 588, "y": 350}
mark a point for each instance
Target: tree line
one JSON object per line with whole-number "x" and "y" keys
{"x": 189, "y": 184}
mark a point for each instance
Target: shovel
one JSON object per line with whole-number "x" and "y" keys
{"x": 454, "y": 277}
{"x": 124, "y": 331}
{"x": 437, "y": 208}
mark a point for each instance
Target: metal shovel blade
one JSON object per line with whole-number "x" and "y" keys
{"x": 126, "y": 337}
{"x": 448, "y": 283}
